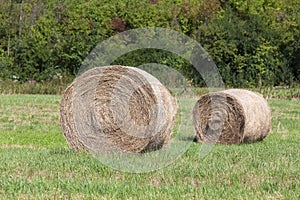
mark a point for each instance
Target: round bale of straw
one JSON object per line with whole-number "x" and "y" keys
{"x": 231, "y": 116}
{"x": 119, "y": 109}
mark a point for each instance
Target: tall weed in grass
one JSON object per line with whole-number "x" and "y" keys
{"x": 54, "y": 87}
{"x": 284, "y": 93}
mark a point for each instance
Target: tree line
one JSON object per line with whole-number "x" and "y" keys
{"x": 254, "y": 43}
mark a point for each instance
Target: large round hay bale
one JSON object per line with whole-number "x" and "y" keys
{"x": 117, "y": 108}
{"x": 231, "y": 116}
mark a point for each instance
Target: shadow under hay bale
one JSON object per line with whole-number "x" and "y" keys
{"x": 119, "y": 109}
{"x": 231, "y": 116}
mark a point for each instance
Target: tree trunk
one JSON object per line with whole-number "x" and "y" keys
{"x": 21, "y": 19}
{"x": 10, "y": 21}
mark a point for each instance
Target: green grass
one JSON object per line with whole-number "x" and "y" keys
{"x": 36, "y": 163}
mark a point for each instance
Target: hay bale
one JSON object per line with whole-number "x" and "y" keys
{"x": 231, "y": 116}
{"x": 117, "y": 108}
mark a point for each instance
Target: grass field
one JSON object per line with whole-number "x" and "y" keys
{"x": 36, "y": 162}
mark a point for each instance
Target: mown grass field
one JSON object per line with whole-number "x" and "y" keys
{"x": 36, "y": 162}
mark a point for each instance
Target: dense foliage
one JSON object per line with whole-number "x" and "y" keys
{"x": 253, "y": 42}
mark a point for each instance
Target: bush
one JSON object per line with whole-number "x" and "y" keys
{"x": 253, "y": 44}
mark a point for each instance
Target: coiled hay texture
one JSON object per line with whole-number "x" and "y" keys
{"x": 117, "y": 108}
{"x": 231, "y": 116}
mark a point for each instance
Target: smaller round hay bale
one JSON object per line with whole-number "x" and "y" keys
{"x": 231, "y": 116}
{"x": 117, "y": 108}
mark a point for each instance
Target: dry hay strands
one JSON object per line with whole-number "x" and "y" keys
{"x": 231, "y": 116}
{"x": 119, "y": 109}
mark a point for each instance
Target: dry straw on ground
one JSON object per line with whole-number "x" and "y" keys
{"x": 231, "y": 116}
{"x": 117, "y": 108}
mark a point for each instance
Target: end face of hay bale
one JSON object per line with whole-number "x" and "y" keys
{"x": 117, "y": 108}
{"x": 231, "y": 116}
